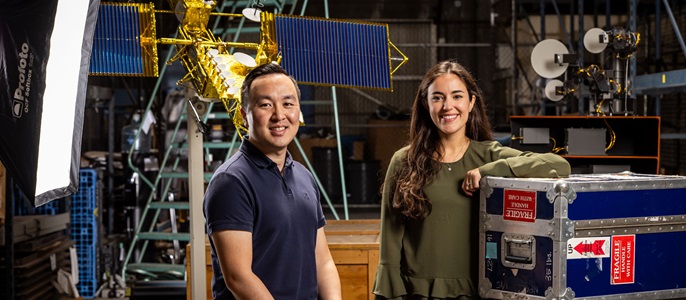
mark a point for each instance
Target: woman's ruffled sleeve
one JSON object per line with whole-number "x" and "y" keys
{"x": 388, "y": 282}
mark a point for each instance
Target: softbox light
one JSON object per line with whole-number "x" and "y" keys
{"x": 45, "y": 48}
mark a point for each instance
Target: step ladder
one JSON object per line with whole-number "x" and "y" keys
{"x": 161, "y": 198}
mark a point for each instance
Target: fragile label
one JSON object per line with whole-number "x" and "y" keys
{"x": 623, "y": 259}
{"x": 588, "y": 247}
{"x": 519, "y": 205}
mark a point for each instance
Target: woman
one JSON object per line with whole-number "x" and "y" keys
{"x": 429, "y": 238}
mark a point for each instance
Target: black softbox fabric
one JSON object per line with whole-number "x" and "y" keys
{"x": 26, "y": 27}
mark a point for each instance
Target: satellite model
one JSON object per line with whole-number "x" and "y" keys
{"x": 314, "y": 51}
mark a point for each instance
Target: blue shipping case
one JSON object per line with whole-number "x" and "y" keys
{"x": 599, "y": 236}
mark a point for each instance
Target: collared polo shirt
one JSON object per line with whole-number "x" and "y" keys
{"x": 283, "y": 212}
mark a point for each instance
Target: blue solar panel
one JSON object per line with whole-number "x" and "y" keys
{"x": 116, "y": 41}
{"x": 326, "y": 52}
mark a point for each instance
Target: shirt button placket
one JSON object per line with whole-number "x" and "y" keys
{"x": 287, "y": 189}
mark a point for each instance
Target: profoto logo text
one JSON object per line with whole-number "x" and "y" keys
{"x": 22, "y": 92}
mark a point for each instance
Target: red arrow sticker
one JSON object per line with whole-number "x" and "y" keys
{"x": 588, "y": 247}
{"x": 595, "y": 248}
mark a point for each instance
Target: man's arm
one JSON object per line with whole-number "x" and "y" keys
{"x": 329, "y": 284}
{"x": 234, "y": 250}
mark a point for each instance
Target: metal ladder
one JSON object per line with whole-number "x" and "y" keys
{"x": 162, "y": 198}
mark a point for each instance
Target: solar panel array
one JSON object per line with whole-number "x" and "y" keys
{"x": 337, "y": 53}
{"x": 117, "y": 48}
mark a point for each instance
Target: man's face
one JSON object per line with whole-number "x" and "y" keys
{"x": 273, "y": 113}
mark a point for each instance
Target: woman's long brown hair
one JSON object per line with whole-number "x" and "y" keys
{"x": 420, "y": 167}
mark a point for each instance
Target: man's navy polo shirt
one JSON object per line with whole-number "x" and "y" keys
{"x": 283, "y": 213}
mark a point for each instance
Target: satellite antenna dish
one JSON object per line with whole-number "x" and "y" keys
{"x": 595, "y": 40}
{"x": 245, "y": 59}
{"x": 232, "y": 90}
{"x": 228, "y": 80}
{"x": 180, "y": 11}
{"x": 550, "y": 90}
{"x": 221, "y": 67}
{"x": 252, "y": 14}
{"x": 213, "y": 52}
{"x": 219, "y": 59}
{"x": 543, "y": 58}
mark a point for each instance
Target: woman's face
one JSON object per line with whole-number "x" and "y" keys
{"x": 449, "y": 105}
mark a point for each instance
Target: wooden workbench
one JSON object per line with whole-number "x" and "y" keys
{"x": 354, "y": 246}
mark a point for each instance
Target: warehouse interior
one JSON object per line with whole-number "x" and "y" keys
{"x": 138, "y": 180}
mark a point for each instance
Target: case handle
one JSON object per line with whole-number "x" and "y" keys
{"x": 518, "y": 251}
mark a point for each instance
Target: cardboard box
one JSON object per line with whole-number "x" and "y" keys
{"x": 384, "y": 138}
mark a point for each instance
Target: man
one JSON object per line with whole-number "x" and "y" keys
{"x": 264, "y": 219}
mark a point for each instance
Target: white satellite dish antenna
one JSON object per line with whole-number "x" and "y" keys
{"x": 550, "y": 90}
{"x": 543, "y": 58}
{"x": 212, "y": 52}
{"x": 228, "y": 80}
{"x": 595, "y": 40}
{"x": 219, "y": 59}
{"x": 252, "y": 14}
{"x": 245, "y": 59}
{"x": 232, "y": 90}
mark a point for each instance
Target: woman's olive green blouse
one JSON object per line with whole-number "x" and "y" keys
{"x": 437, "y": 257}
